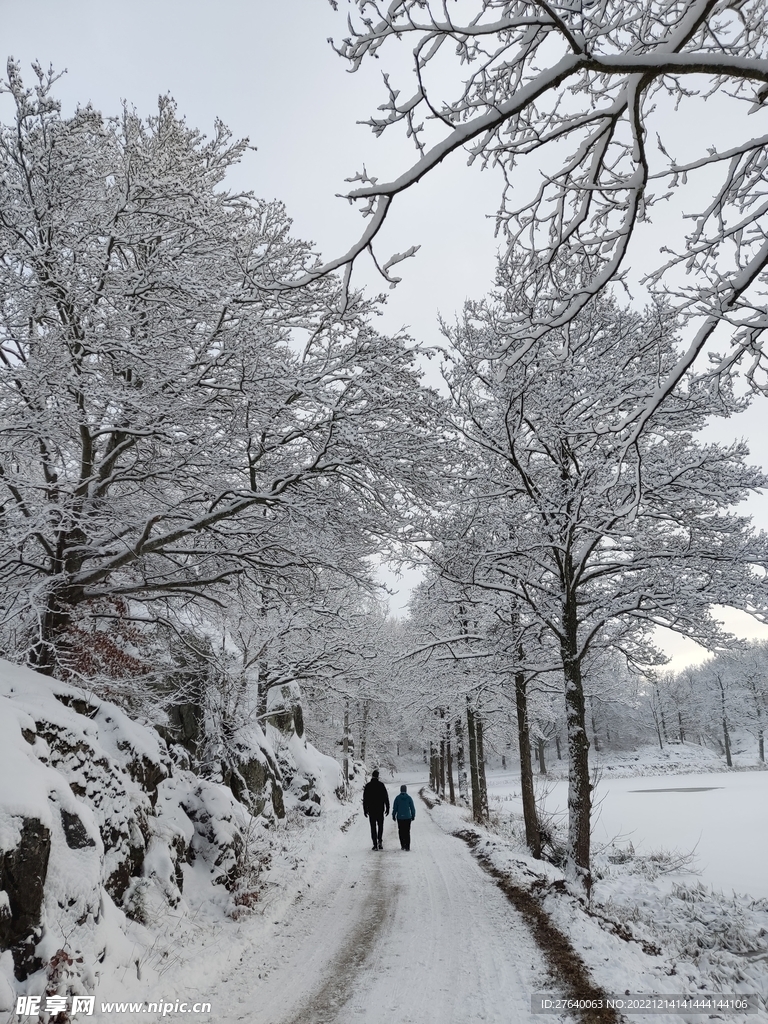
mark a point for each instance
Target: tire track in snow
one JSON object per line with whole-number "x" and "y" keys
{"x": 344, "y": 968}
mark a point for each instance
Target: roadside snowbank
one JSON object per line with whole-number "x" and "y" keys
{"x": 635, "y": 936}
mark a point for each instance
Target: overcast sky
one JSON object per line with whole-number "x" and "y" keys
{"x": 266, "y": 69}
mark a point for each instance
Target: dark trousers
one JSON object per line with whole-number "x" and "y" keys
{"x": 404, "y": 831}
{"x": 377, "y": 828}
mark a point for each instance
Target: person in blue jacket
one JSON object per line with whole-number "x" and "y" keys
{"x": 403, "y": 812}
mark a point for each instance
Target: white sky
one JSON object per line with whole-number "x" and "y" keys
{"x": 266, "y": 69}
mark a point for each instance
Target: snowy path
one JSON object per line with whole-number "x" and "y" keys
{"x": 419, "y": 937}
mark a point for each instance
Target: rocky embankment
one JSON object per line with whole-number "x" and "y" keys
{"x": 105, "y": 824}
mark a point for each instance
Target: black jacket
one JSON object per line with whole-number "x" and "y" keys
{"x": 375, "y": 799}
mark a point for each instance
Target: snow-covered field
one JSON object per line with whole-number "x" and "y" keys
{"x": 722, "y": 818}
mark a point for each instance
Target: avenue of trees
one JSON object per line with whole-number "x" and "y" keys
{"x": 206, "y": 446}
{"x": 589, "y": 97}
{"x": 575, "y": 534}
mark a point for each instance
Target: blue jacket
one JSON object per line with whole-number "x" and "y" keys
{"x": 403, "y": 808}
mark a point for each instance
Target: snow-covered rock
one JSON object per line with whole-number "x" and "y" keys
{"x": 309, "y": 777}
{"x": 106, "y": 832}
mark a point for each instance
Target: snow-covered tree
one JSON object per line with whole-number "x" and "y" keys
{"x": 750, "y": 666}
{"x": 172, "y": 422}
{"x": 712, "y": 702}
{"x": 455, "y": 652}
{"x": 581, "y": 106}
{"x": 674, "y": 704}
{"x": 601, "y": 533}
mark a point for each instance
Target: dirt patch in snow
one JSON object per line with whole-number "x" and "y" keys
{"x": 345, "y": 825}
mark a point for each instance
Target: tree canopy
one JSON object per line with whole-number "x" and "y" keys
{"x": 585, "y": 97}
{"x": 171, "y": 422}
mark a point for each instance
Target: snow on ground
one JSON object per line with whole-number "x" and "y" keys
{"x": 207, "y": 958}
{"x": 336, "y": 933}
{"x": 130, "y": 879}
{"x": 679, "y": 862}
{"x": 199, "y": 953}
{"x": 345, "y": 934}
{"x": 622, "y": 958}
{"x": 389, "y": 937}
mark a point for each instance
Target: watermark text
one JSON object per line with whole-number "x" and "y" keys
{"x": 31, "y": 1006}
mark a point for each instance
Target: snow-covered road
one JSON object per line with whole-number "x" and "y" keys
{"x": 390, "y": 936}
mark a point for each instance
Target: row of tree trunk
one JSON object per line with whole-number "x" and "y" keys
{"x": 472, "y": 787}
{"x": 441, "y": 763}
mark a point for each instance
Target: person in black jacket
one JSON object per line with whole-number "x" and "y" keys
{"x": 376, "y": 808}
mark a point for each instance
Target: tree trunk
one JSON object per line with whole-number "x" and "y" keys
{"x": 461, "y": 763}
{"x": 345, "y": 745}
{"x": 594, "y": 727}
{"x": 42, "y": 657}
{"x": 477, "y": 812}
{"x": 726, "y": 734}
{"x": 540, "y": 743}
{"x": 365, "y": 713}
{"x": 655, "y": 705}
{"x": 484, "y": 810}
{"x": 262, "y": 665}
{"x": 759, "y": 715}
{"x": 449, "y": 762}
{"x": 507, "y": 756}
{"x": 579, "y": 786}
{"x": 530, "y": 817}
{"x": 50, "y": 649}
{"x": 441, "y": 762}
{"x": 557, "y": 746}
{"x": 681, "y": 730}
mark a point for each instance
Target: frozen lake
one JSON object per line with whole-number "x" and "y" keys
{"x": 724, "y": 815}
